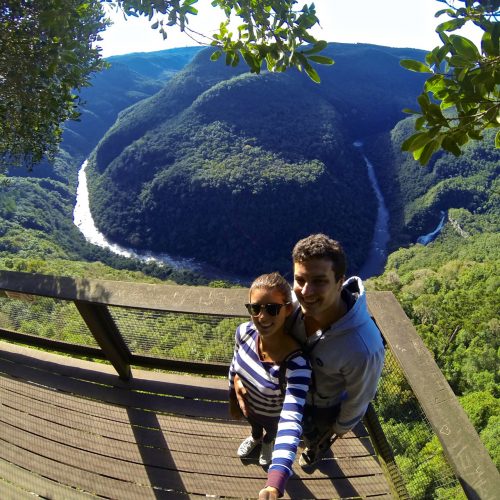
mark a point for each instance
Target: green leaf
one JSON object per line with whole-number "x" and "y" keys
{"x": 452, "y": 25}
{"x": 321, "y": 59}
{"x": 216, "y": 55}
{"x": 415, "y": 142}
{"x": 465, "y": 47}
{"x": 459, "y": 61}
{"x": 424, "y": 155}
{"x": 474, "y": 134}
{"x": 251, "y": 61}
{"x": 434, "y": 84}
{"x": 424, "y": 101}
{"x": 451, "y": 146}
{"x": 450, "y": 12}
{"x": 420, "y": 122}
{"x": 413, "y": 65}
{"x": 497, "y": 140}
{"x": 410, "y": 111}
{"x": 312, "y": 73}
{"x": 317, "y": 47}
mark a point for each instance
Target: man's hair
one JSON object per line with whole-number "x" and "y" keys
{"x": 271, "y": 281}
{"x": 320, "y": 246}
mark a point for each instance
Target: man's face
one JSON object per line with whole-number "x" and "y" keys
{"x": 316, "y": 288}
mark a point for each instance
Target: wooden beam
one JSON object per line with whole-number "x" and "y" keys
{"x": 107, "y": 335}
{"x": 182, "y": 299}
{"x": 52, "y": 344}
{"x": 461, "y": 444}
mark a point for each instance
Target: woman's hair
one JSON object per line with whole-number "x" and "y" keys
{"x": 320, "y": 246}
{"x": 271, "y": 281}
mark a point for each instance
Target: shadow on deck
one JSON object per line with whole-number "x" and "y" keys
{"x": 73, "y": 429}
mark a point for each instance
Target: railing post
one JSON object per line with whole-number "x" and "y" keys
{"x": 107, "y": 335}
{"x": 384, "y": 452}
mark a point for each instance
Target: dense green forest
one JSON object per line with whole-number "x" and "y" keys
{"x": 220, "y": 164}
{"x": 450, "y": 290}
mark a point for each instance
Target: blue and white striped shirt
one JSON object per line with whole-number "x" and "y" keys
{"x": 266, "y": 403}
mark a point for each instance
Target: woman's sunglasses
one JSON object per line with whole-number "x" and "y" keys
{"x": 271, "y": 309}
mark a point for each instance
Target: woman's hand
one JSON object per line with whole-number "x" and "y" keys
{"x": 268, "y": 493}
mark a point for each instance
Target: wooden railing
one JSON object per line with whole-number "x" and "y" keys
{"x": 462, "y": 447}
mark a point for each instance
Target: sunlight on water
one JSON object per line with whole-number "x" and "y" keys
{"x": 82, "y": 218}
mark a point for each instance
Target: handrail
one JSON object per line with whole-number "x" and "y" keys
{"x": 462, "y": 446}
{"x": 192, "y": 299}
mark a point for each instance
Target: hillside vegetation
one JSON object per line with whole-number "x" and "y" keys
{"x": 222, "y": 164}
{"x": 450, "y": 289}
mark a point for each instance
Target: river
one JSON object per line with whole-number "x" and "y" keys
{"x": 377, "y": 257}
{"x": 82, "y": 218}
{"x": 428, "y": 238}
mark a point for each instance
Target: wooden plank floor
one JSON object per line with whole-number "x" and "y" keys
{"x": 71, "y": 429}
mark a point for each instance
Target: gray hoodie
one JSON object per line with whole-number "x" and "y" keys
{"x": 346, "y": 359}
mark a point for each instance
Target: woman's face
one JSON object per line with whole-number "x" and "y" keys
{"x": 265, "y": 323}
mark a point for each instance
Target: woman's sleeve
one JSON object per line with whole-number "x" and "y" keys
{"x": 298, "y": 378}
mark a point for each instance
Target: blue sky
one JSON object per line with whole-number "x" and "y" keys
{"x": 396, "y": 23}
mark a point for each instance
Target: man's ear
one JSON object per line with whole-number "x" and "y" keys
{"x": 340, "y": 282}
{"x": 289, "y": 309}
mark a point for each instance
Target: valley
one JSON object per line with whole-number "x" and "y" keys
{"x": 193, "y": 159}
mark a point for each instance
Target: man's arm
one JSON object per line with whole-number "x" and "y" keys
{"x": 361, "y": 376}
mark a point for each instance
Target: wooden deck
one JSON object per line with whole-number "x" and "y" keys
{"x": 72, "y": 429}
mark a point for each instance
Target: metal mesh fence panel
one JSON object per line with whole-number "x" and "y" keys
{"x": 417, "y": 450}
{"x": 45, "y": 317}
{"x": 182, "y": 336}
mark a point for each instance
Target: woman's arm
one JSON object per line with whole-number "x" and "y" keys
{"x": 298, "y": 377}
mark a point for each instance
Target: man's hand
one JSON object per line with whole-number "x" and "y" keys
{"x": 241, "y": 395}
{"x": 268, "y": 493}
{"x": 234, "y": 408}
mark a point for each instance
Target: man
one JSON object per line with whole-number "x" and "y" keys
{"x": 332, "y": 323}
{"x": 344, "y": 344}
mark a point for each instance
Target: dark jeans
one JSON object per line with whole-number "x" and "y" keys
{"x": 317, "y": 424}
{"x": 258, "y": 430}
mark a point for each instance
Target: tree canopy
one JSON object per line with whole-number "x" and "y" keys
{"x": 46, "y": 56}
{"x": 464, "y": 88}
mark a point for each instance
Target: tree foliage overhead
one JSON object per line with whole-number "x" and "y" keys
{"x": 464, "y": 87}
{"x": 268, "y": 32}
{"x": 48, "y": 53}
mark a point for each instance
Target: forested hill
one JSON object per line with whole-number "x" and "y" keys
{"x": 233, "y": 168}
{"x": 417, "y": 196}
{"x": 450, "y": 289}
